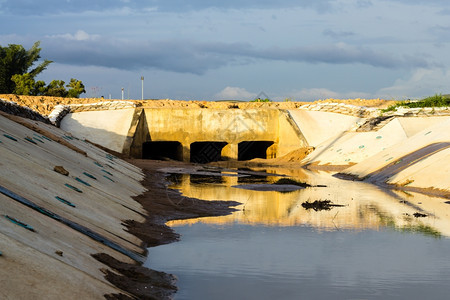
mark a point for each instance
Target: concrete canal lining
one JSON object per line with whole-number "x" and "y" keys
{"x": 51, "y": 224}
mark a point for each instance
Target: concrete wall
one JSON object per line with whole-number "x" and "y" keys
{"x": 351, "y": 147}
{"x": 413, "y": 125}
{"x": 319, "y": 126}
{"x": 126, "y": 130}
{"x": 108, "y": 128}
{"x": 231, "y": 126}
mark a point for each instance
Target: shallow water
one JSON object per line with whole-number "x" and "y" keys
{"x": 273, "y": 248}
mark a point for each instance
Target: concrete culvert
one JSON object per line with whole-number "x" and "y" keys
{"x": 253, "y": 149}
{"x": 205, "y": 152}
{"x": 160, "y": 150}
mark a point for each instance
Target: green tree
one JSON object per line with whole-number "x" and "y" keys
{"x": 24, "y": 84}
{"x": 15, "y": 60}
{"x": 76, "y": 88}
{"x": 56, "y": 89}
{"x": 39, "y": 89}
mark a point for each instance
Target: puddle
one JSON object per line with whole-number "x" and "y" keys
{"x": 368, "y": 244}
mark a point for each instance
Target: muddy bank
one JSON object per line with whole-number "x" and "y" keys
{"x": 162, "y": 205}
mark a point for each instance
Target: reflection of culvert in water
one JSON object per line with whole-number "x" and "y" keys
{"x": 204, "y": 179}
{"x": 282, "y": 188}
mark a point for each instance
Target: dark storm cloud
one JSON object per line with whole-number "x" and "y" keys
{"x": 197, "y": 58}
{"x": 338, "y": 54}
{"x": 28, "y": 7}
{"x": 181, "y": 57}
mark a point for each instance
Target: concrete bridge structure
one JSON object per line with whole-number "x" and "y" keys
{"x": 190, "y": 134}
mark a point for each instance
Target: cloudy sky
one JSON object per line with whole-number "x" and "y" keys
{"x": 235, "y": 49}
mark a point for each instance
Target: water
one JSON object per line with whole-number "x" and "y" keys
{"x": 273, "y": 248}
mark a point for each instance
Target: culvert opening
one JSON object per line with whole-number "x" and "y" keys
{"x": 160, "y": 150}
{"x": 205, "y": 152}
{"x": 253, "y": 149}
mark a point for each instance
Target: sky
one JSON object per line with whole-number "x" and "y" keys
{"x": 299, "y": 50}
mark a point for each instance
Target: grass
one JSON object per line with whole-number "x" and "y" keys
{"x": 437, "y": 100}
{"x": 261, "y": 100}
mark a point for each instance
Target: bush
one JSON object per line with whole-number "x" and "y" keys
{"x": 261, "y": 100}
{"x": 432, "y": 101}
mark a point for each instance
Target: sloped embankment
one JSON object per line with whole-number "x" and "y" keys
{"x": 52, "y": 222}
{"x": 419, "y": 162}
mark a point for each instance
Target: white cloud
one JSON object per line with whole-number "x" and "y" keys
{"x": 422, "y": 83}
{"x": 80, "y": 35}
{"x": 234, "y": 93}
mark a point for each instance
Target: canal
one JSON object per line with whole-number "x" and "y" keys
{"x": 361, "y": 242}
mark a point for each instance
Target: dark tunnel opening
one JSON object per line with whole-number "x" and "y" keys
{"x": 205, "y": 152}
{"x": 160, "y": 150}
{"x": 253, "y": 149}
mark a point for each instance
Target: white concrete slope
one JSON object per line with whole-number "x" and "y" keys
{"x": 108, "y": 128}
{"x": 353, "y": 147}
{"x": 318, "y": 127}
{"x": 42, "y": 256}
{"x": 421, "y": 161}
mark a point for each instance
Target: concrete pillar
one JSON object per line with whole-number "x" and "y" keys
{"x": 230, "y": 152}
{"x": 272, "y": 151}
{"x": 186, "y": 152}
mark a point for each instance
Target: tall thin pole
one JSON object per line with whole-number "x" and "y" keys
{"x": 122, "y": 93}
{"x": 142, "y": 79}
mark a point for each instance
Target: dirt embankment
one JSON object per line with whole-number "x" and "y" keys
{"x": 45, "y": 105}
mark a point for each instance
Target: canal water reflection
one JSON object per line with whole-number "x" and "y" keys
{"x": 378, "y": 245}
